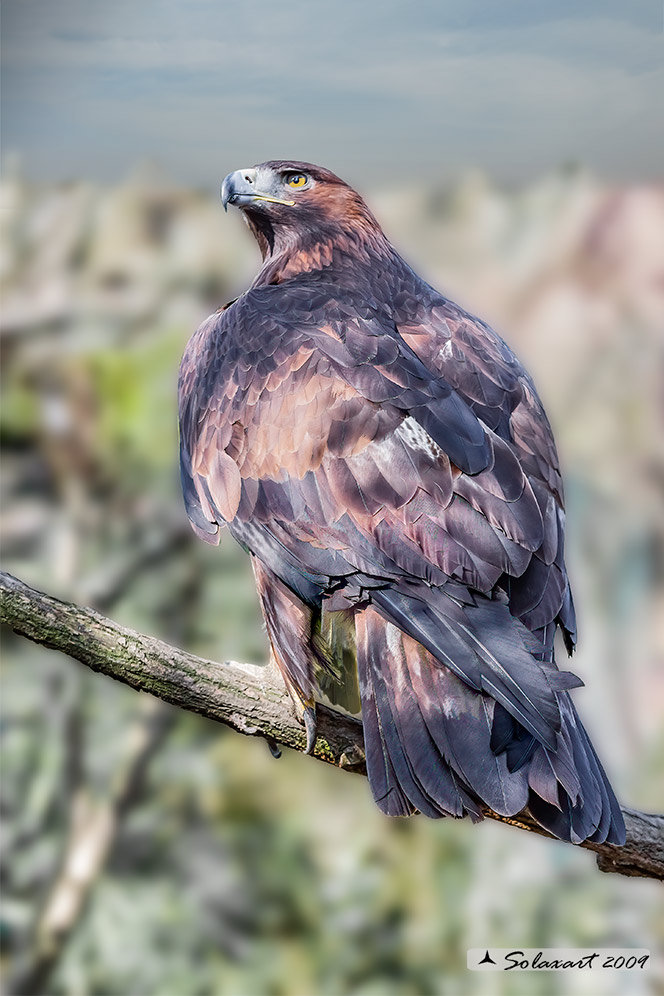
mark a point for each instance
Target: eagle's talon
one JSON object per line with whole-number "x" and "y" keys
{"x": 309, "y": 717}
{"x": 274, "y": 748}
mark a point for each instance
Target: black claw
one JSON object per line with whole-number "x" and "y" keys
{"x": 275, "y": 750}
{"x": 310, "y": 725}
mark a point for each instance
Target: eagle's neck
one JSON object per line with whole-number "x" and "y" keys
{"x": 288, "y": 252}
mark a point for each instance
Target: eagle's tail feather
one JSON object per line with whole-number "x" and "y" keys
{"x": 385, "y": 785}
{"x": 485, "y": 647}
{"x": 437, "y": 745}
{"x": 396, "y": 735}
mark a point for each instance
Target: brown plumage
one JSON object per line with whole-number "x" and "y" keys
{"x": 385, "y": 460}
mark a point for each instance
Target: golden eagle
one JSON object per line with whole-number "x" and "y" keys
{"x": 386, "y": 462}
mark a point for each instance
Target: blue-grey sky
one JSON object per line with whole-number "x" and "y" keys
{"x": 385, "y": 88}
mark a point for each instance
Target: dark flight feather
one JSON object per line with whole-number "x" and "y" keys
{"x": 385, "y": 459}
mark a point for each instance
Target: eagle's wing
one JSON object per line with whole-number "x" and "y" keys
{"x": 358, "y": 476}
{"x": 476, "y": 362}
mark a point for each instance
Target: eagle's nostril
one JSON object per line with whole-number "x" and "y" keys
{"x": 248, "y": 178}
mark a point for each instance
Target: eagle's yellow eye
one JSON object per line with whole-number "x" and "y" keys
{"x": 296, "y": 180}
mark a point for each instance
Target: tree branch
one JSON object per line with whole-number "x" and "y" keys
{"x": 251, "y": 700}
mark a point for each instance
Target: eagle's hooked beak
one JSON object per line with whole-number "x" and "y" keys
{"x": 239, "y": 188}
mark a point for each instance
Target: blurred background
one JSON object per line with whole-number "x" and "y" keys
{"x": 512, "y": 154}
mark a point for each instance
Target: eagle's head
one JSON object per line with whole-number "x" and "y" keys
{"x": 290, "y": 205}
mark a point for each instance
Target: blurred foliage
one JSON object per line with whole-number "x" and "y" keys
{"x": 230, "y": 872}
